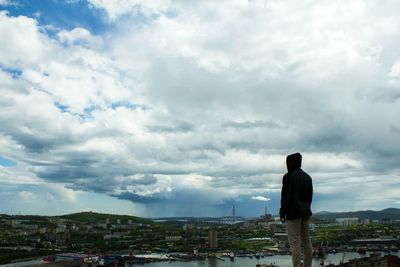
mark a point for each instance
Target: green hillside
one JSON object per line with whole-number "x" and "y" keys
{"x": 92, "y": 217}
{"x": 390, "y": 213}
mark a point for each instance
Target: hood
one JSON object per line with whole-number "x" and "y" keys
{"x": 293, "y": 162}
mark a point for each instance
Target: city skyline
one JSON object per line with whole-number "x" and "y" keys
{"x": 184, "y": 108}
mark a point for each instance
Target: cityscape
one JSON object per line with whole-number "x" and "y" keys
{"x": 94, "y": 239}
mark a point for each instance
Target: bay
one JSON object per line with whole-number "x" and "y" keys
{"x": 280, "y": 260}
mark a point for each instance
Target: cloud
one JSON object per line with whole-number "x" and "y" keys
{"x": 255, "y": 124}
{"x": 27, "y": 196}
{"x": 118, "y": 8}
{"x": 78, "y": 36}
{"x": 9, "y": 3}
{"x": 193, "y": 106}
{"x": 261, "y": 198}
{"x": 395, "y": 70}
{"x": 179, "y": 127}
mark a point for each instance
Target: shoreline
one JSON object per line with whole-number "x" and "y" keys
{"x": 154, "y": 258}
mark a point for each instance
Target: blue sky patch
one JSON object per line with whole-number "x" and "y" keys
{"x": 7, "y": 162}
{"x": 61, "y": 107}
{"x": 127, "y": 105}
{"x": 15, "y": 73}
{"x": 60, "y": 14}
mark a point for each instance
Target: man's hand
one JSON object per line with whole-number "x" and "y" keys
{"x": 283, "y": 220}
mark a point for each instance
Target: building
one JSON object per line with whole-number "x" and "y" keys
{"x": 187, "y": 227}
{"x": 61, "y": 228}
{"x": 374, "y": 241}
{"x": 173, "y": 238}
{"x": 213, "y": 239}
{"x": 102, "y": 225}
{"x": 112, "y": 236}
{"x": 387, "y": 221}
{"x": 347, "y": 221}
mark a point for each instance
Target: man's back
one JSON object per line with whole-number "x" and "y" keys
{"x": 297, "y": 190}
{"x": 296, "y": 198}
{"x": 301, "y": 195}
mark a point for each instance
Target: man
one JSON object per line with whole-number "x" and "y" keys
{"x": 296, "y": 198}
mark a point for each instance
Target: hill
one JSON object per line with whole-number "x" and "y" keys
{"x": 390, "y": 213}
{"x": 92, "y": 217}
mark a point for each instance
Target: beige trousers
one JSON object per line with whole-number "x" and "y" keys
{"x": 298, "y": 235}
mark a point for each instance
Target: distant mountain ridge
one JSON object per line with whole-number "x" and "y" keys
{"x": 90, "y": 217}
{"x": 390, "y": 213}
{"x": 94, "y": 217}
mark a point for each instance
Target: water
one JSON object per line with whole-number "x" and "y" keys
{"x": 280, "y": 260}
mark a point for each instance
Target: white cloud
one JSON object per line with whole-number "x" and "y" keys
{"x": 79, "y": 36}
{"x": 283, "y": 42}
{"x": 395, "y": 70}
{"x": 22, "y": 43}
{"x": 206, "y": 98}
{"x": 58, "y": 192}
{"x": 27, "y": 196}
{"x": 119, "y": 8}
{"x": 9, "y": 3}
{"x": 261, "y": 198}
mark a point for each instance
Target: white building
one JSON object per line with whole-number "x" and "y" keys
{"x": 173, "y": 238}
{"x": 347, "y": 221}
{"x": 61, "y": 228}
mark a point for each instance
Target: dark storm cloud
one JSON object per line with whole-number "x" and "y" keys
{"x": 252, "y": 124}
{"x": 71, "y": 166}
{"x": 248, "y": 182}
{"x": 395, "y": 129}
{"x": 327, "y": 136}
{"x": 97, "y": 169}
{"x": 68, "y": 174}
{"x": 207, "y": 147}
{"x": 380, "y": 162}
{"x": 233, "y": 174}
{"x": 35, "y": 142}
{"x": 147, "y": 199}
{"x": 183, "y": 127}
{"x": 110, "y": 184}
{"x": 92, "y": 185}
{"x": 385, "y": 94}
{"x": 187, "y": 202}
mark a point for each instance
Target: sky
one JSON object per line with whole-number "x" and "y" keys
{"x": 186, "y": 108}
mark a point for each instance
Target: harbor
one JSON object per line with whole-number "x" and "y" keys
{"x": 185, "y": 260}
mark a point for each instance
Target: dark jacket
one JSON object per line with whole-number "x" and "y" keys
{"x": 297, "y": 190}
